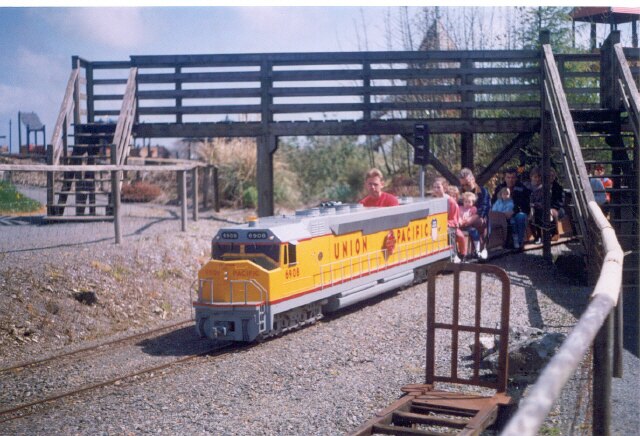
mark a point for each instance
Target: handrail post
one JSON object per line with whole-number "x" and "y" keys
{"x": 182, "y": 192}
{"x": 194, "y": 183}
{"x": 545, "y": 137}
{"x": 115, "y": 195}
{"x": 602, "y": 374}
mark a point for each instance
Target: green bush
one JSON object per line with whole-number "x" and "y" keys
{"x": 12, "y": 201}
{"x": 250, "y": 197}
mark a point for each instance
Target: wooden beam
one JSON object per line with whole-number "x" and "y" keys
{"x": 504, "y": 156}
{"x": 357, "y": 127}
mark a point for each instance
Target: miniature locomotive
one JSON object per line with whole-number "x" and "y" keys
{"x": 273, "y": 274}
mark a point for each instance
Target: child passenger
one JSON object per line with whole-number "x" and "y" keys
{"x": 468, "y": 214}
{"x": 440, "y": 188}
{"x": 504, "y": 204}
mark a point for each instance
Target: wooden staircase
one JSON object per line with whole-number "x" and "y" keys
{"x": 90, "y": 190}
{"x": 85, "y": 194}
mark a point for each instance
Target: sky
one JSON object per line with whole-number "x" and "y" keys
{"x": 37, "y": 43}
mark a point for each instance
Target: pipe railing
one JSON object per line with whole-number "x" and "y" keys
{"x": 536, "y": 406}
{"x": 595, "y": 326}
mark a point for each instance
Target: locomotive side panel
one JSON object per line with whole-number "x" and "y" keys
{"x": 270, "y": 279}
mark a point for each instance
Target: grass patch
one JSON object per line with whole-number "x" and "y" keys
{"x": 12, "y": 201}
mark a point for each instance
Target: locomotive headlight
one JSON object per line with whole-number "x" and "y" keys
{"x": 271, "y": 238}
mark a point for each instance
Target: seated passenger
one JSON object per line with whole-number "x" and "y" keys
{"x": 520, "y": 195}
{"x": 374, "y": 182}
{"x": 440, "y": 187}
{"x": 504, "y": 205}
{"x": 598, "y": 171}
{"x": 468, "y": 217}
{"x": 483, "y": 206}
{"x": 556, "y": 210}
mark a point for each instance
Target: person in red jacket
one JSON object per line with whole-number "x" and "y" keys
{"x": 374, "y": 182}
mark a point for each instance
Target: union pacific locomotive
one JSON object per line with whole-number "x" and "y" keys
{"x": 273, "y": 274}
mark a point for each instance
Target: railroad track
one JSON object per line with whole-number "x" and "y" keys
{"x": 22, "y": 408}
{"x": 137, "y": 336}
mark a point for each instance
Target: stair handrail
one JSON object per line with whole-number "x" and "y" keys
{"x": 597, "y": 317}
{"x": 564, "y": 133}
{"x": 122, "y": 135}
{"x": 64, "y": 115}
{"x": 544, "y": 393}
{"x": 628, "y": 88}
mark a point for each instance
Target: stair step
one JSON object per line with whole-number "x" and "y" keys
{"x": 97, "y": 180}
{"x": 67, "y": 204}
{"x": 94, "y": 128}
{"x": 81, "y": 192}
{"x": 607, "y": 148}
{"x": 75, "y": 218}
{"x": 591, "y": 161}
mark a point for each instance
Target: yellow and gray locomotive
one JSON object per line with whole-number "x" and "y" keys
{"x": 277, "y": 273}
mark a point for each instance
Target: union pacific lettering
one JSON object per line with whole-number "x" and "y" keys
{"x": 350, "y": 247}
{"x": 418, "y": 230}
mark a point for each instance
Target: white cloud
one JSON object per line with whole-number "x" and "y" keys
{"x": 118, "y": 28}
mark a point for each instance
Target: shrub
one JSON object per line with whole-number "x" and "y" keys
{"x": 140, "y": 192}
{"x": 250, "y": 197}
{"x": 12, "y": 201}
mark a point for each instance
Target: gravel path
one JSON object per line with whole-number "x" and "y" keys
{"x": 326, "y": 379}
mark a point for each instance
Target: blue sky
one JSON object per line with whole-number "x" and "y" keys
{"x": 37, "y": 43}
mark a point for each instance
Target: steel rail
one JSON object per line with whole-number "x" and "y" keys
{"x": 218, "y": 351}
{"x": 94, "y": 347}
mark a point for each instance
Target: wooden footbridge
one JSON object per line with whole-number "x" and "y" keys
{"x": 583, "y": 108}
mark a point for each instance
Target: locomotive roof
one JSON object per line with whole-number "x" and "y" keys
{"x": 339, "y": 219}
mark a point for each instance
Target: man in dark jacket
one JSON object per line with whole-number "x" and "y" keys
{"x": 520, "y": 195}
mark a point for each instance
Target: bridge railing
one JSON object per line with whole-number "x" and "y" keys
{"x": 595, "y": 326}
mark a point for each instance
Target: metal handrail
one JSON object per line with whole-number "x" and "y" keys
{"x": 253, "y": 282}
{"x": 64, "y": 115}
{"x": 536, "y": 406}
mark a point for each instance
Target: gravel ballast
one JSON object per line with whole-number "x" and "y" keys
{"x": 325, "y": 379}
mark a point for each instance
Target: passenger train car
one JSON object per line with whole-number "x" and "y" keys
{"x": 273, "y": 274}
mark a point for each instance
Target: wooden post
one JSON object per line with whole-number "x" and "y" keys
{"x": 267, "y": 145}
{"x": 216, "y": 190}
{"x": 90, "y": 97}
{"x": 50, "y": 181}
{"x": 545, "y": 139}
{"x": 602, "y": 374}
{"x": 182, "y": 193}
{"x": 466, "y": 143}
{"x": 194, "y": 183}
{"x": 206, "y": 177}
{"x": 115, "y": 195}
